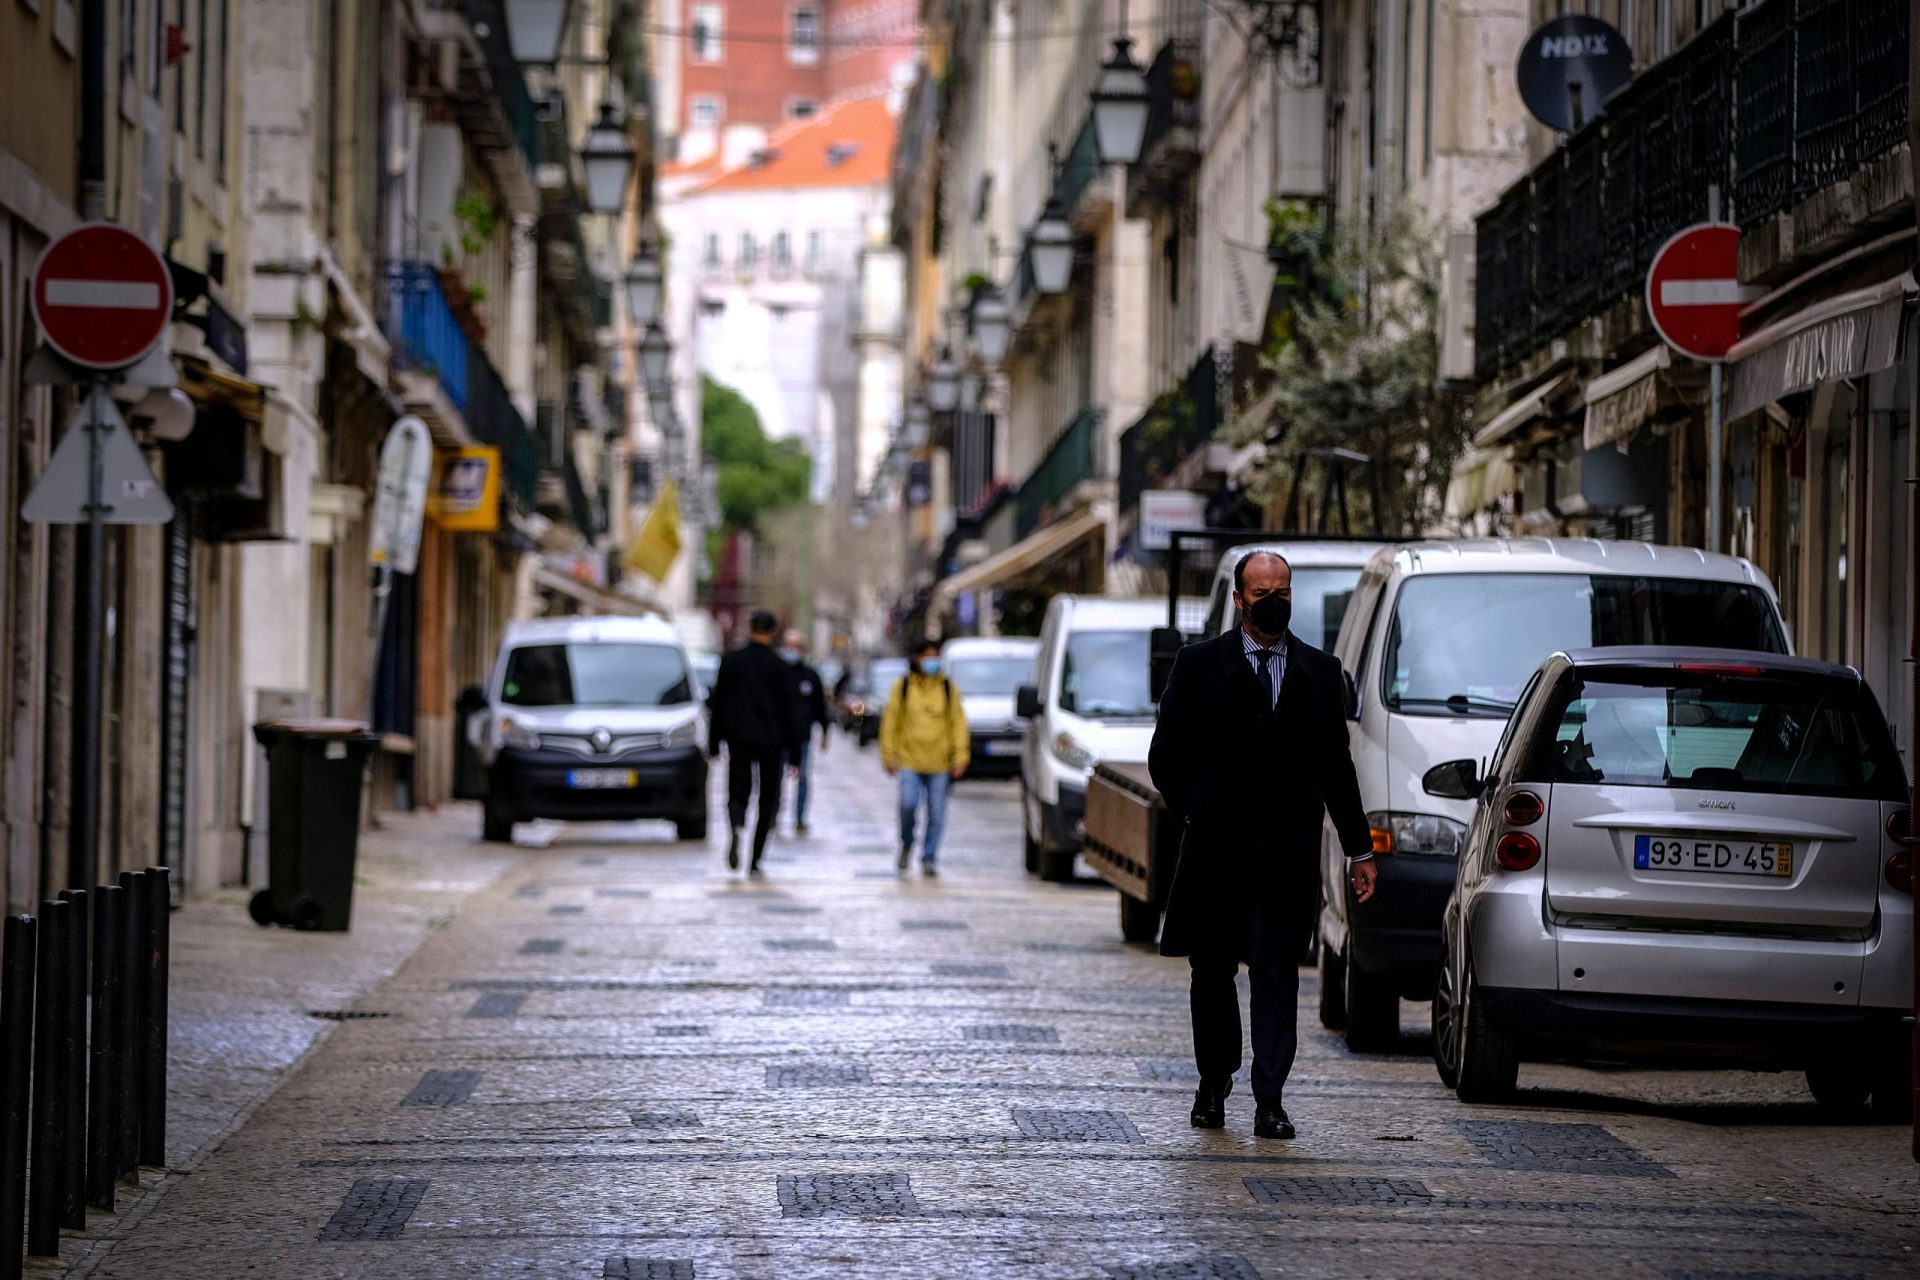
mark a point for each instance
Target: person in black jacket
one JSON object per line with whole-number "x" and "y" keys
{"x": 809, "y": 708}
{"x": 1250, "y": 749}
{"x": 751, "y": 715}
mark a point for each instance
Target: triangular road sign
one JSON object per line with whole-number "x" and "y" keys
{"x": 130, "y": 493}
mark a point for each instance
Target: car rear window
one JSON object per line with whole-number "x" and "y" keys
{"x": 596, "y": 675}
{"x": 1699, "y": 730}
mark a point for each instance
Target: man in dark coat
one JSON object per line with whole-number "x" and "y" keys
{"x": 1250, "y": 749}
{"x": 751, "y": 713}
{"x": 810, "y": 709}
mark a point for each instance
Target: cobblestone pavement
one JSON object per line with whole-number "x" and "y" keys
{"x": 620, "y": 1061}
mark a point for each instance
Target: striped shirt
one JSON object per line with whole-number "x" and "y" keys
{"x": 1276, "y": 656}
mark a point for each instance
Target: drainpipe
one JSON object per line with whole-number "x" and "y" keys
{"x": 93, "y": 109}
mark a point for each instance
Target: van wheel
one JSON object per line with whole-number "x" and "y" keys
{"x": 1333, "y": 988}
{"x": 1056, "y": 865}
{"x": 691, "y": 827}
{"x": 1373, "y": 1009}
{"x": 1489, "y": 1065}
{"x": 495, "y": 829}
{"x": 1874, "y": 1085}
{"x": 1032, "y": 846}
{"x": 1139, "y": 921}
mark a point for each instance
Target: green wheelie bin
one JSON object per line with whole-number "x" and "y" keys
{"x": 316, "y": 770}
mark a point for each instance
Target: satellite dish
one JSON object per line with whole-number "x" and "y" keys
{"x": 1568, "y": 69}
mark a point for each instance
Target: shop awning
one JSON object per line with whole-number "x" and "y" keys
{"x": 1619, "y": 401}
{"x": 596, "y": 599}
{"x": 1029, "y": 553}
{"x": 1846, "y": 336}
{"x": 1479, "y": 480}
{"x": 1519, "y": 413}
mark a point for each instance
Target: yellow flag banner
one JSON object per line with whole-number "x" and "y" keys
{"x": 657, "y": 545}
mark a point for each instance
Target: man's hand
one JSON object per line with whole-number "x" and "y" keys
{"x": 1362, "y": 876}
{"x": 891, "y": 768}
{"x": 956, "y": 771}
{"x": 793, "y": 771}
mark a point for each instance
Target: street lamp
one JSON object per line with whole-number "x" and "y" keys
{"x": 645, "y": 284}
{"x": 609, "y": 159}
{"x": 914, "y": 436}
{"x": 992, "y": 325}
{"x": 1050, "y": 249}
{"x": 534, "y": 28}
{"x": 943, "y": 383}
{"x": 655, "y": 351}
{"x": 1120, "y": 98}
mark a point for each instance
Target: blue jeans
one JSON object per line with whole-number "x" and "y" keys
{"x": 801, "y": 788}
{"x": 934, "y": 787}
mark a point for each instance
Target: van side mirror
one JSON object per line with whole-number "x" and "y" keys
{"x": 1454, "y": 780}
{"x": 1164, "y": 647}
{"x": 1026, "y": 702}
{"x": 1350, "y": 694}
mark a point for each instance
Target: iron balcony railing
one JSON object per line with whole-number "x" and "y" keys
{"x": 426, "y": 334}
{"x": 1074, "y": 457}
{"x": 1171, "y": 429}
{"x": 493, "y": 419}
{"x": 1079, "y": 167}
{"x": 488, "y": 19}
{"x": 1173, "y": 88}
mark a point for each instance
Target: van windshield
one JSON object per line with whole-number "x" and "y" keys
{"x": 1772, "y": 732}
{"x": 990, "y": 677}
{"x": 1464, "y": 644}
{"x": 596, "y": 675}
{"x": 1104, "y": 675}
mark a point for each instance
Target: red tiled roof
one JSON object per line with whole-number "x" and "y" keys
{"x": 848, "y": 144}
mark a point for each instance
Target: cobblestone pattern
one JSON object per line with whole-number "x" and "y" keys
{"x": 542, "y": 946}
{"x": 1225, "y": 1266}
{"x": 815, "y": 1075}
{"x": 648, "y": 1269}
{"x": 1011, "y": 1033}
{"x": 497, "y": 1004}
{"x": 956, "y": 969}
{"x": 813, "y": 1195}
{"x": 375, "y": 1209}
{"x": 666, "y": 1119}
{"x": 680, "y": 1030}
{"x": 934, "y": 926}
{"x": 442, "y": 1089}
{"x": 806, "y": 998}
{"x": 566, "y": 909}
{"x": 1055, "y": 1125}
{"x": 624, "y": 895}
{"x": 1535, "y": 1146}
{"x": 1339, "y": 1191}
{"x": 1168, "y": 1071}
{"x": 800, "y": 944}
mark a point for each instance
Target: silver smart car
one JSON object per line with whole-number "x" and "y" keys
{"x": 1683, "y": 854}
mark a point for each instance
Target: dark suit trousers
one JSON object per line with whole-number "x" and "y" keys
{"x": 1275, "y": 939}
{"x": 741, "y": 768}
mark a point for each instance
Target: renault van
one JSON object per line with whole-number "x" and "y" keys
{"x": 592, "y": 719}
{"x": 1089, "y": 701}
{"x": 988, "y": 671}
{"x": 1437, "y": 644}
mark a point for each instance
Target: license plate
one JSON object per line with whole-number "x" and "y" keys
{"x": 1726, "y": 857}
{"x": 1000, "y": 747}
{"x": 601, "y": 779}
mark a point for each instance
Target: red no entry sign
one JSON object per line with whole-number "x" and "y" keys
{"x": 1694, "y": 294}
{"x": 102, "y": 296}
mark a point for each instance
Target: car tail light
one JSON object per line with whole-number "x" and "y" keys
{"x": 1517, "y": 851}
{"x": 1523, "y": 809}
{"x": 1897, "y": 827}
{"x": 1900, "y": 871}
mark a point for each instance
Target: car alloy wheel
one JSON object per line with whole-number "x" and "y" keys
{"x": 1446, "y": 1023}
{"x": 1489, "y": 1061}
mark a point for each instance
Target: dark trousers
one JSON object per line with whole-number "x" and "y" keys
{"x": 1275, "y": 940}
{"x": 741, "y": 768}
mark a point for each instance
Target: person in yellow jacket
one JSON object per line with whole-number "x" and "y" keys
{"x": 923, "y": 742}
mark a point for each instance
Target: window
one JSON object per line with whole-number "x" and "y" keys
{"x": 596, "y": 675}
{"x": 986, "y": 677}
{"x": 1105, "y": 675}
{"x": 749, "y": 252}
{"x": 782, "y": 252}
{"x": 706, "y": 111}
{"x": 709, "y": 33}
{"x": 801, "y": 108}
{"x": 803, "y": 35}
{"x": 710, "y": 254}
{"x": 816, "y": 251}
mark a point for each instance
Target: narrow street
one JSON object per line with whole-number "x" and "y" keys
{"x": 619, "y": 1061}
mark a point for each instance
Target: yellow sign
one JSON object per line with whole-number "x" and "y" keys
{"x": 657, "y": 545}
{"x": 466, "y": 489}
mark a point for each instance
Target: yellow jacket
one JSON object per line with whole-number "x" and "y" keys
{"x": 924, "y": 729}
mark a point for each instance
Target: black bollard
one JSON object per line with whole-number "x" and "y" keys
{"x": 132, "y": 1012}
{"x": 153, "y": 1076}
{"x": 16, "y": 1053}
{"x": 102, "y": 1057}
{"x": 74, "y": 1202}
{"x": 47, "y": 1189}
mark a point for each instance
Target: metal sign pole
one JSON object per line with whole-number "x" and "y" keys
{"x": 84, "y": 868}
{"x": 1713, "y": 416}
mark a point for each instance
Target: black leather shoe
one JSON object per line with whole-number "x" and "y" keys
{"x": 1209, "y": 1108}
{"x": 1270, "y": 1121}
{"x": 733, "y": 851}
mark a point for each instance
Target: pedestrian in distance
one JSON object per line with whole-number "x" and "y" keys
{"x": 751, "y": 711}
{"x": 1249, "y": 751}
{"x": 810, "y": 707}
{"x": 924, "y": 743}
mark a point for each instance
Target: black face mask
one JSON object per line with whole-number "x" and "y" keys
{"x": 1271, "y": 614}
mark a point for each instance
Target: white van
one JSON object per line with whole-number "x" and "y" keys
{"x": 592, "y": 719}
{"x": 1324, "y": 574}
{"x": 1088, "y": 702}
{"x": 1438, "y": 642}
{"x": 988, "y": 671}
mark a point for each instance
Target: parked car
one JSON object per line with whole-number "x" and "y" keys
{"x": 1089, "y": 702}
{"x": 589, "y": 719}
{"x": 1437, "y": 643}
{"x": 988, "y": 671}
{"x": 1680, "y": 852}
{"x": 882, "y": 675}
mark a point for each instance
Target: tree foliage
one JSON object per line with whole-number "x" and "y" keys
{"x": 756, "y": 476}
{"x": 1355, "y": 356}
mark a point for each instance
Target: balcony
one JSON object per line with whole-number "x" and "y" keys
{"x": 493, "y": 106}
{"x": 1073, "y": 459}
{"x": 1178, "y": 422}
{"x": 1078, "y": 169}
{"x": 1171, "y": 152}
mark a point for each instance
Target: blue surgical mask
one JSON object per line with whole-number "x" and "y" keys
{"x": 791, "y": 655}
{"x": 929, "y": 666}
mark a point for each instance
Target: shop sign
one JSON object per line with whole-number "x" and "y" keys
{"x": 466, "y": 490}
{"x": 1163, "y": 512}
{"x": 1848, "y": 343}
